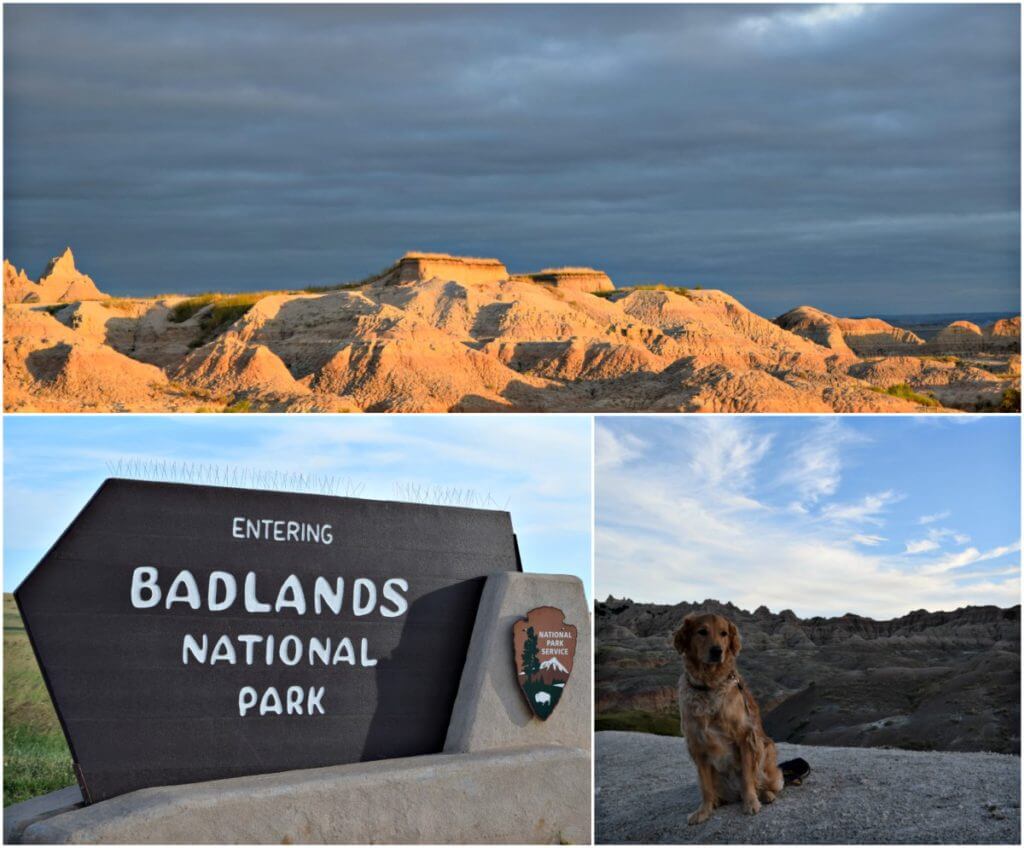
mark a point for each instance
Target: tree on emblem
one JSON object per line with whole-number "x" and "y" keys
{"x": 531, "y": 665}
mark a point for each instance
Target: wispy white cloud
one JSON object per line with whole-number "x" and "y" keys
{"x": 727, "y": 453}
{"x": 614, "y": 449}
{"x": 968, "y": 556}
{"x": 867, "y": 510}
{"x": 867, "y": 539}
{"x": 931, "y": 519}
{"x": 937, "y": 536}
{"x": 815, "y": 466}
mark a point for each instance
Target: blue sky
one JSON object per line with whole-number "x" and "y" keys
{"x": 872, "y": 515}
{"x": 536, "y": 467}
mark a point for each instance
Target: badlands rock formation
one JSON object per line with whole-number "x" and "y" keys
{"x": 436, "y": 332}
{"x": 862, "y": 336}
{"x": 926, "y": 681}
{"x": 60, "y": 282}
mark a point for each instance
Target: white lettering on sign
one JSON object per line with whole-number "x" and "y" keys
{"x": 281, "y": 530}
{"x": 222, "y": 593}
{"x": 227, "y": 580}
{"x": 296, "y": 701}
{"x": 145, "y": 590}
{"x": 290, "y": 650}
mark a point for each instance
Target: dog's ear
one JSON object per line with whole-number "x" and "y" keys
{"x": 734, "y": 639}
{"x": 682, "y": 636}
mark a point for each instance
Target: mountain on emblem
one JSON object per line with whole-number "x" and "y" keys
{"x": 544, "y": 649}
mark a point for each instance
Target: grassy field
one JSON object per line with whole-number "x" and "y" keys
{"x": 639, "y": 721}
{"x": 36, "y": 757}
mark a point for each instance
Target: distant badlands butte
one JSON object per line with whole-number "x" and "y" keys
{"x": 444, "y": 333}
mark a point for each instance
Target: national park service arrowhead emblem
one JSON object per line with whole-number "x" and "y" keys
{"x": 544, "y": 648}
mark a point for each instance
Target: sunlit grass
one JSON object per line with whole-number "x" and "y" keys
{"x": 36, "y": 757}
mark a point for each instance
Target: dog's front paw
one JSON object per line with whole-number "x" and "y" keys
{"x": 751, "y": 806}
{"x": 701, "y": 815}
{"x": 768, "y": 796}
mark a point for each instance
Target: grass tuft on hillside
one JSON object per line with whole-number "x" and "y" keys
{"x": 680, "y": 290}
{"x": 639, "y": 721}
{"x": 1010, "y": 401}
{"x": 36, "y": 757}
{"x": 902, "y": 390}
{"x": 224, "y": 310}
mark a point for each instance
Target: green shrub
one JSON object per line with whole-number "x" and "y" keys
{"x": 224, "y": 310}
{"x": 187, "y": 308}
{"x": 1010, "y": 401}
{"x": 347, "y": 286}
{"x": 122, "y": 304}
{"x": 680, "y": 290}
{"x": 229, "y": 309}
{"x": 338, "y": 287}
{"x": 243, "y": 405}
{"x": 902, "y": 390}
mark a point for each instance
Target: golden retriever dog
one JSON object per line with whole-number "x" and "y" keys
{"x": 719, "y": 717}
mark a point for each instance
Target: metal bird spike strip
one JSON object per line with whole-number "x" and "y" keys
{"x": 234, "y": 476}
{"x": 448, "y": 496}
{"x": 248, "y": 477}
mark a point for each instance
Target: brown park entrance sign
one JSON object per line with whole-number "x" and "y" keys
{"x": 190, "y": 633}
{"x": 544, "y": 649}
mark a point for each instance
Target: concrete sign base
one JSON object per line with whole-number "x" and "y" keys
{"x": 505, "y": 777}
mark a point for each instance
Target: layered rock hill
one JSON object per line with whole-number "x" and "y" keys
{"x": 862, "y": 336}
{"x": 60, "y": 282}
{"x": 874, "y": 337}
{"x": 435, "y": 332}
{"x": 925, "y": 681}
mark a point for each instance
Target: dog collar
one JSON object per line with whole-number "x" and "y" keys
{"x": 701, "y": 687}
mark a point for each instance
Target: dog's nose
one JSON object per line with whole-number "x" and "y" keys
{"x": 715, "y": 653}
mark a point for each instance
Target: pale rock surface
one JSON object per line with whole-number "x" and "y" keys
{"x": 229, "y": 364}
{"x": 17, "y": 286}
{"x": 862, "y": 336}
{"x": 1003, "y": 334}
{"x": 579, "y": 279}
{"x": 646, "y": 786}
{"x": 960, "y": 336}
{"x": 60, "y": 282}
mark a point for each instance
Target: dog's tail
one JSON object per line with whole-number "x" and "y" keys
{"x": 795, "y": 771}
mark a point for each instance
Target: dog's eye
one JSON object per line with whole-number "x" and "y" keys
{"x": 703, "y": 631}
{"x": 722, "y": 633}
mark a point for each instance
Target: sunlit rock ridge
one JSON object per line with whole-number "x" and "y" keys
{"x": 434, "y": 332}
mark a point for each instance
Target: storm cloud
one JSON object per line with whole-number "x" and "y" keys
{"x": 860, "y": 159}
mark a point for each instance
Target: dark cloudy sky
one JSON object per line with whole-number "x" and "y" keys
{"x": 858, "y": 159}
